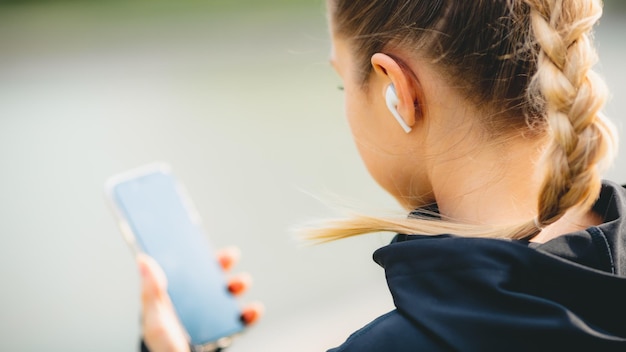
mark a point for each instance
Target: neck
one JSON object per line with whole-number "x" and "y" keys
{"x": 492, "y": 186}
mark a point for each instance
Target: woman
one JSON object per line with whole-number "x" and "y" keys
{"x": 483, "y": 119}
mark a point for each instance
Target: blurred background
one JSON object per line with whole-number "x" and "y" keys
{"x": 239, "y": 98}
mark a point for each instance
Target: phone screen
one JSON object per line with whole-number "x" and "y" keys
{"x": 165, "y": 226}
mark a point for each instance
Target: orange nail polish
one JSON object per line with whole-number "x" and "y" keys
{"x": 225, "y": 262}
{"x": 248, "y": 316}
{"x": 235, "y": 287}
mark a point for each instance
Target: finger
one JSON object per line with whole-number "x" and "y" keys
{"x": 252, "y": 313}
{"x": 153, "y": 279}
{"x": 161, "y": 328}
{"x": 239, "y": 284}
{"x": 228, "y": 257}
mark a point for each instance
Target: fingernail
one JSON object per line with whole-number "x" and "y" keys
{"x": 248, "y": 316}
{"x": 235, "y": 287}
{"x": 225, "y": 262}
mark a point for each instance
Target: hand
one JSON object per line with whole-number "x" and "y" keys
{"x": 162, "y": 331}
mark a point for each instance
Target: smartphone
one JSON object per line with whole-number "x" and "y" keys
{"x": 157, "y": 217}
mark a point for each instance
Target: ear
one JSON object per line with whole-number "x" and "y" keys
{"x": 391, "y": 71}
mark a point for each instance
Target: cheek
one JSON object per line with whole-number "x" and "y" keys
{"x": 352, "y": 110}
{"x": 363, "y": 119}
{"x": 371, "y": 141}
{"x": 388, "y": 161}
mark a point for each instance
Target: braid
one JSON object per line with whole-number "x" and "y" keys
{"x": 572, "y": 96}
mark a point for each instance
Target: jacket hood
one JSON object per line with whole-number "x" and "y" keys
{"x": 565, "y": 294}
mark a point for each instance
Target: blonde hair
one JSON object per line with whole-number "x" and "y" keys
{"x": 533, "y": 58}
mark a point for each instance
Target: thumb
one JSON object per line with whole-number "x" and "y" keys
{"x": 161, "y": 328}
{"x": 153, "y": 279}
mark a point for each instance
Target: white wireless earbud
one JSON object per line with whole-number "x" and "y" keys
{"x": 392, "y": 103}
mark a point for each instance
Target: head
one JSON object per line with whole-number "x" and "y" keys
{"x": 521, "y": 67}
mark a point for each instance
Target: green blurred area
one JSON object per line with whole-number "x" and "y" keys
{"x": 76, "y": 15}
{"x": 169, "y": 4}
{"x": 615, "y": 5}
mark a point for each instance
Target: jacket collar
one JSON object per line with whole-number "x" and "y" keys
{"x": 573, "y": 285}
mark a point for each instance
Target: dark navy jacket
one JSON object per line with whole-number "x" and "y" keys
{"x": 467, "y": 294}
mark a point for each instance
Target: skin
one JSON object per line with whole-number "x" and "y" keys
{"x": 445, "y": 159}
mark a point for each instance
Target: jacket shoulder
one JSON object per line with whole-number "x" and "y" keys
{"x": 390, "y": 332}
